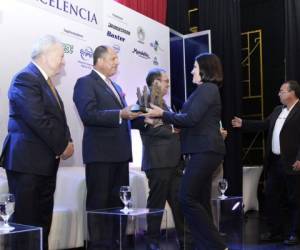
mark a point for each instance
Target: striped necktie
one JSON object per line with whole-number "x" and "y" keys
{"x": 54, "y": 92}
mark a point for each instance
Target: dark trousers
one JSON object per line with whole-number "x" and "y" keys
{"x": 279, "y": 187}
{"x": 103, "y": 181}
{"x": 164, "y": 187}
{"x": 195, "y": 195}
{"x": 34, "y": 197}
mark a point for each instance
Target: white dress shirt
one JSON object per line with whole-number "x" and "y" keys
{"x": 110, "y": 85}
{"x": 41, "y": 70}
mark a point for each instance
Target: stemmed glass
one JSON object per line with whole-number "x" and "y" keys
{"x": 223, "y": 185}
{"x": 125, "y": 196}
{"x": 7, "y": 208}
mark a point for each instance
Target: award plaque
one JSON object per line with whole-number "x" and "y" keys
{"x": 144, "y": 98}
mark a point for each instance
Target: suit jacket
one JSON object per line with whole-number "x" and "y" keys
{"x": 161, "y": 147}
{"x": 200, "y": 121}
{"x": 37, "y": 126}
{"x": 289, "y": 135}
{"x": 104, "y": 138}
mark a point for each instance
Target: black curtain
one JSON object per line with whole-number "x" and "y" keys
{"x": 292, "y": 39}
{"x": 222, "y": 17}
{"x": 268, "y": 16}
{"x": 177, "y": 15}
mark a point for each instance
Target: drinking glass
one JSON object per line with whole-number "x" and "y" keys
{"x": 223, "y": 185}
{"x": 7, "y": 208}
{"x": 125, "y": 196}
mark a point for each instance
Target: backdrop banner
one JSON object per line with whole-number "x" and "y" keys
{"x": 141, "y": 43}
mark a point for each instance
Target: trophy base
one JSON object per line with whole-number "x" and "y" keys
{"x": 137, "y": 108}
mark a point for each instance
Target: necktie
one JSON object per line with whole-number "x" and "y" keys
{"x": 110, "y": 85}
{"x": 53, "y": 91}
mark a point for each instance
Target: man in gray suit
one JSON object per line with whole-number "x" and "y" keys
{"x": 161, "y": 163}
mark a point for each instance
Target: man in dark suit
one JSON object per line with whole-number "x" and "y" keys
{"x": 106, "y": 139}
{"x": 282, "y": 163}
{"x": 38, "y": 136}
{"x": 162, "y": 164}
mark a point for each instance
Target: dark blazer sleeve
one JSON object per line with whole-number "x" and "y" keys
{"x": 85, "y": 100}
{"x": 27, "y": 97}
{"x": 255, "y": 125}
{"x": 197, "y": 105}
{"x": 261, "y": 125}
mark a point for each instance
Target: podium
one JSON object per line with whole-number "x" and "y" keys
{"x": 23, "y": 237}
{"x": 123, "y": 230}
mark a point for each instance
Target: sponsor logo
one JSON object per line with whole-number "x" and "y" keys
{"x": 114, "y": 36}
{"x": 68, "y": 48}
{"x": 141, "y": 34}
{"x": 155, "y": 61}
{"x": 117, "y": 17}
{"x": 117, "y": 28}
{"x": 72, "y": 33}
{"x": 86, "y": 54}
{"x": 85, "y": 65}
{"x": 141, "y": 53}
{"x": 116, "y": 47}
{"x": 155, "y": 46}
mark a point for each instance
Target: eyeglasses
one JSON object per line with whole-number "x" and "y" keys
{"x": 281, "y": 92}
{"x": 163, "y": 80}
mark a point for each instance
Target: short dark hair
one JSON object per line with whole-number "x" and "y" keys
{"x": 99, "y": 52}
{"x": 294, "y": 86}
{"x": 154, "y": 74}
{"x": 210, "y": 68}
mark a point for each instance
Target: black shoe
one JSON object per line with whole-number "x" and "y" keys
{"x": 153, "y": 246}
{"x": 291, "y": 240}
{"x": 270, "y": 237}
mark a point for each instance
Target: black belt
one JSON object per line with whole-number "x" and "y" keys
{"x": 275, "y": 156}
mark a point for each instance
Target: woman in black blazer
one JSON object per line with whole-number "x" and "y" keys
{"x": 201, "y": 140}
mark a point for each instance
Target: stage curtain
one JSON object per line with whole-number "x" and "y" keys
{"x": 292, "y": 39}
{"x": 222, "y": 17}
{"x": 177, "y": 15}
{"x": 155, "y": 9}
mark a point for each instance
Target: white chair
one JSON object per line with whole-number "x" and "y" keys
{"x": 251, "y": 177}
{"x": 68, "y": 222}
{"x": 3, "y": 182}
{"x": 140, "y": 190}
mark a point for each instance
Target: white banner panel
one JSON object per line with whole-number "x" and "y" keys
{"x": 81, "y": 25}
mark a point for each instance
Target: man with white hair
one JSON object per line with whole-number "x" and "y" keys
{"x": 38, "y": 136}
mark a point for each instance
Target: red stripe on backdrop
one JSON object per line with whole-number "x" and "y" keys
{"x": 155, "y": 9}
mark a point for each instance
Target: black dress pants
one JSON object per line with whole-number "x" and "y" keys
{"x": 281, "y": 186}
{"x": 164, "y": 186}
{"x": 195, "y": 195}
{"x": 34, "y": 200}
{"x": 103, "y": 182}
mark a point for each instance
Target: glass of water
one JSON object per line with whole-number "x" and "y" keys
{"x": 125, "y": 196}
{"x": 223, "y": 185}
{"x": 7, "y": 208}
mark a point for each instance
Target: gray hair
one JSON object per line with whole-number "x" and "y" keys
{"x": 42, "y": 44}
